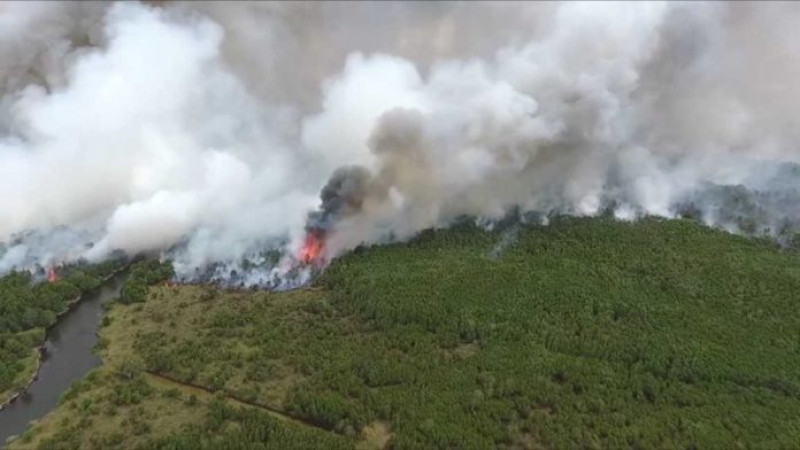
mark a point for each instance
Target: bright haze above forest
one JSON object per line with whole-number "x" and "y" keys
{"x": 206, "y": 131}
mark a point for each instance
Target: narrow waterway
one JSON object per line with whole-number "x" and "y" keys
{"x": 67, "y": 358}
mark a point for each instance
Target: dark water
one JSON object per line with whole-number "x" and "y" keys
{"x": 68, "y": 357}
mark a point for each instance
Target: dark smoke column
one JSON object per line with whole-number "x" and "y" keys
{"x": 342, "y": 195}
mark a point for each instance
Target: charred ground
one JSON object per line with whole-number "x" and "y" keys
{"x": 585, "y": 333}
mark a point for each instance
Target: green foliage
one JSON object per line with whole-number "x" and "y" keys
{"x": 329, "y": 410}
{"x": 131, "y": 368}
{"x": 133, "y": 291}
{"x": 152, "y": 271}
{"x": 244, "y": 428}
{"x": 28, "y": 307}
{"x": 143, "y": 274}
{"x": 586, "y": 332}
{"x": 130, "y": 393}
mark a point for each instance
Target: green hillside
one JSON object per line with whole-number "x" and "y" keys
{"x": 584, "y": 333}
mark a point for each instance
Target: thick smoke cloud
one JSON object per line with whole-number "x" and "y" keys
{"x": 206, "y": 131}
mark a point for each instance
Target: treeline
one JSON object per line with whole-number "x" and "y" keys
{"x": 143, "y": 274}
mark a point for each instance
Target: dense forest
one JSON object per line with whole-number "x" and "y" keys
{"x": 29, "y": 303}
{"x": 587, "y": 333}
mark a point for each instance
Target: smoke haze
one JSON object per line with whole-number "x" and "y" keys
{"x": 206, "y": 131}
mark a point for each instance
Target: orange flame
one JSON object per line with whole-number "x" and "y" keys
{"x": 313, "y": 248}
{"x": 52, "y": 275}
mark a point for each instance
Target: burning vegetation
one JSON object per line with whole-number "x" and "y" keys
{"x": 52, "y": 275}
{"x": 313, "y": 250}
{"x": 342, "y": 196}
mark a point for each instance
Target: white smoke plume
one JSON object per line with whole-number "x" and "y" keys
{"x": 205, "y": 131}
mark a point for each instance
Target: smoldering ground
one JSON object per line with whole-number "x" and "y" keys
{"x": 206, "y": 131}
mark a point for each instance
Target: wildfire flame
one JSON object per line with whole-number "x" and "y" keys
{"x": 313, "y": 248}
{"x": 52, "y": 275}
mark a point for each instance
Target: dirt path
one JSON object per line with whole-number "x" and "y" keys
{"x": 374, "y": 436}
{"x": 196, "y": 389}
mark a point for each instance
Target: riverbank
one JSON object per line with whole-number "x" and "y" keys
{"x": 127, "y": 403}
{"x": 69, "y": 357}
{"x": 32, "y": 374}
{"x": 27, "y": 376}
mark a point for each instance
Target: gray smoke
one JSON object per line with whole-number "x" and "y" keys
{"x": 206, "y": 131}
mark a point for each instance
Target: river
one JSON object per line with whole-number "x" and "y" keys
{"x": 68, "y": 357}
